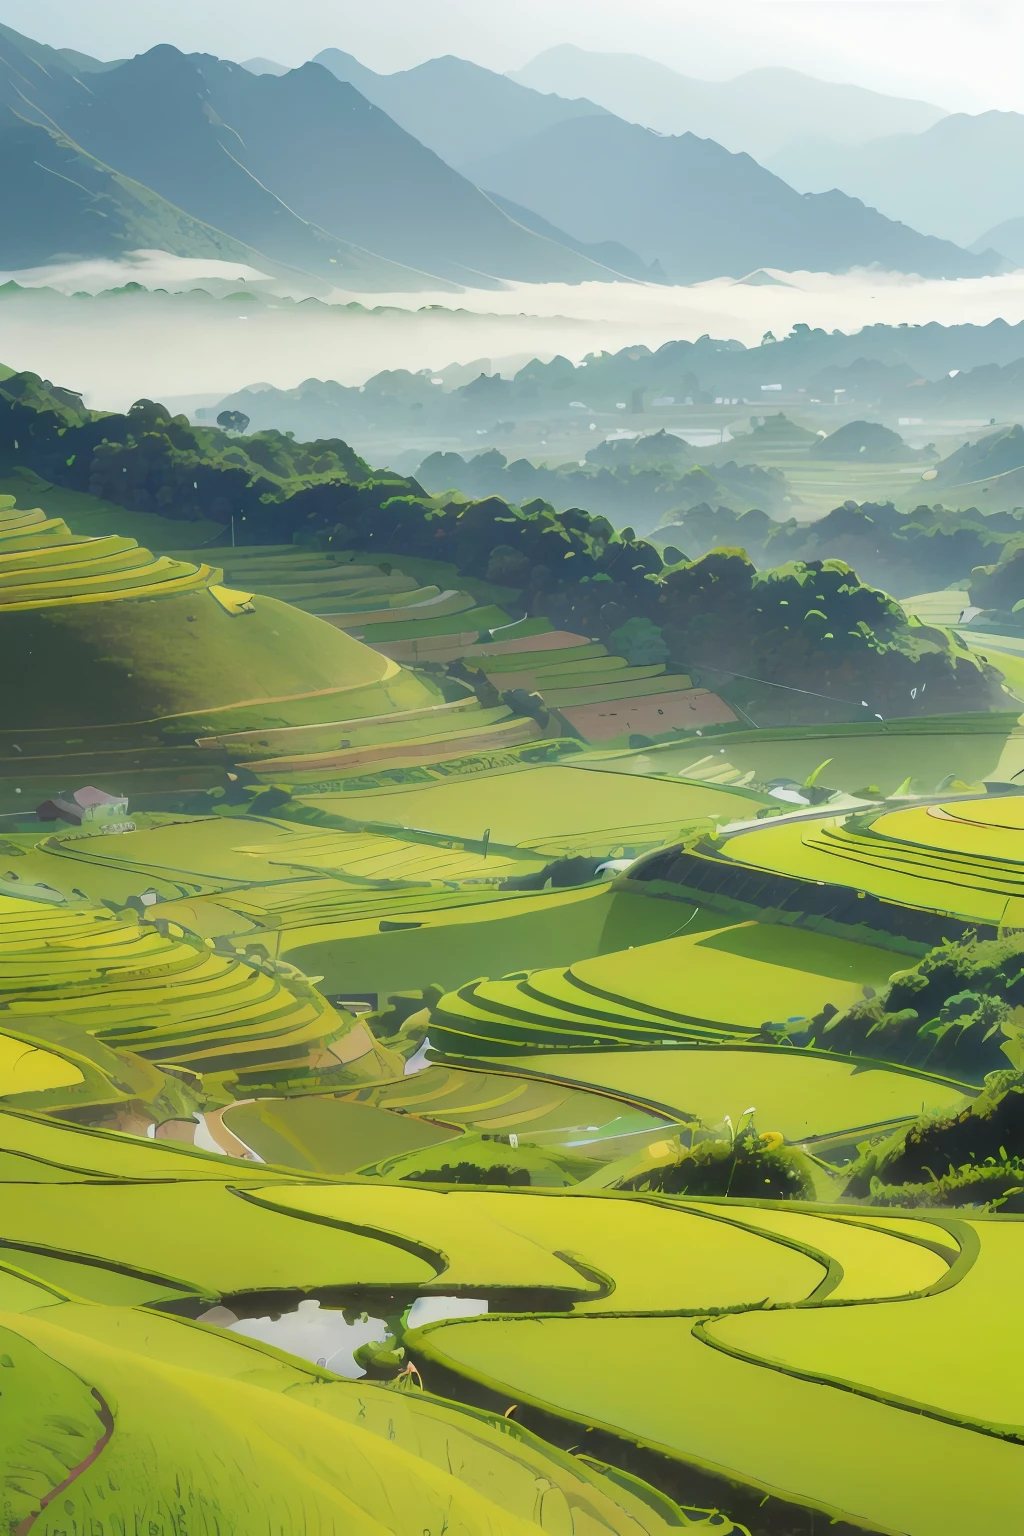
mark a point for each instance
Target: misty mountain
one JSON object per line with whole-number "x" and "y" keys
{"x": 70, "y": 206}
{"x": 58, "y": 60}
{"x": 609, "y": 253}
{"x": 759, "y": 111}
{"x": 701, "y": 211}
{"x": 459, "y": 110}
{"x": 956, "y": 180}
{"x": 1007, "y": 239}
{"x": 305, "y": 169}
{"x": 162, "y": 138}
{"x": 265, "y": 67}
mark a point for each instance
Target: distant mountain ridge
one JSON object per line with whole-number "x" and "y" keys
{"x": 459, "y": 110}
{"x": 125, "y": 125}
{"x": 957, "y": 180}
{"x": 701, "y": 211}
{"x": 760, "y": 111}
{"x": 300, "y": 167}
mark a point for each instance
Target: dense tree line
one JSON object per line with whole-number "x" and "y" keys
{"x": 805, "y": 641}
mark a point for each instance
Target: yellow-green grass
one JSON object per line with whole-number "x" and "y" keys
{"x": 890, "y": 1352}
{"x": 529, "y": 805}
{"x": 797, "y": 1093}
{"x": 329, "y": 1135}
{"x": 95, "y": 517}
{"x": 869, "y": 1263}
{"x": 768, "y": 968}
{"x": 42, "y": 1148}
{"x": 475, "y": 1248}
{"x": 955, "y": 860}
{"x": 655, "y": 1257}
{"x": 1010, "y": 663}
{"x": 477, "y": 731}
{"x": 159, "y": 996}
{"x": 25, "y": 1068}
{"x": 341, "y": 1134}
{"x": 539, "y": 663}
{"x": 652, "y": 1381}
{"x": 937, "y": 607}
{"x": 227, "y": 1429}
{"x": 183, "y": 659}
{"x": 701, "y": 985}
{"x": 421, "y": 604}
{"x": 220, "y": 1240}
{"x": 355, "y": 575}
{"x": 885, "y": 755}
{"x": 108, "y": 634}
{"x": 422, "y": 733}
{"x": 80, "y": 1070}
{"x": 50, "y": 1420}
{"x": 500, "y": 1101}
{"x": 184, "y": 857}
{"x": 358, "y": 958}
{"x": 473, "y": 621}
{"x": 42, "y": 564}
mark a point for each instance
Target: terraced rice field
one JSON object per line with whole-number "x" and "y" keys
{"x": 73, "y": 978}
{"x": 271, "y": 983}
{"x": 802, "y": 1095}
{"x": 956, "y": 859}
{"x": 877, "y": 758}
{"x": 286, "y": 687}
{"x": 42, "y": 564}
{"x": 557, "y": 810}
{"x": 701, "y": 987}
{"x": 413, "y": 619}
{"x": 344, "y": 1133}
{"x": 938, "y": 1456}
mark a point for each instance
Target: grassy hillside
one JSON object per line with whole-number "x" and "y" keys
{"x": 72, "y": 206}
{"x": 106, "y": 633}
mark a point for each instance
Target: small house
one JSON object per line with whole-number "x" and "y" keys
{"x": 83, "y": 806}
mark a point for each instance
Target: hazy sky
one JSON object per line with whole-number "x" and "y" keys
{"x": 962, "y": 54}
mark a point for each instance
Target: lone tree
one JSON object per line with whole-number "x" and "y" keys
{"x": 233, "y": 421}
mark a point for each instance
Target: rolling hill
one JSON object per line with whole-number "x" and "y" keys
{"x": 759, "y": 111}
{"x": 701, "y": 211}
{"x": 954, "y": 180}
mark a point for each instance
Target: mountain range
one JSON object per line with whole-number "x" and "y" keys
{"x": 459, "y": 110}
{"x": 760, "y": 111}
{"x": 699, "y": 210}
{"x": 307, "y": 170}
{"x": 957, "y": 179}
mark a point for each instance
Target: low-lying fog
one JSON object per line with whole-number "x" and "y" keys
{"x": 117, "y": 348}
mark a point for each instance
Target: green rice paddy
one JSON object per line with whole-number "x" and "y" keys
{"x": 395, "y": 1036}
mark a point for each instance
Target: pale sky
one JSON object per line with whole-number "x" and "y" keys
{"x": 961, "y": 54}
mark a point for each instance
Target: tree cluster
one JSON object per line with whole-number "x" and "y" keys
{"x": 802, "y": 640}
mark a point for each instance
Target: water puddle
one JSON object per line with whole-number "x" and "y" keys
{"x": 329, "y": 1337}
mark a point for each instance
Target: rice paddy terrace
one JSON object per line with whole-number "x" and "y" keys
{"x": 133, "y": 663}
{"x": 922, "y": 868}
{"x": 428, "y": 1117}
{"x": 137, "y": 1388}
{"x": 412, "y": 612}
